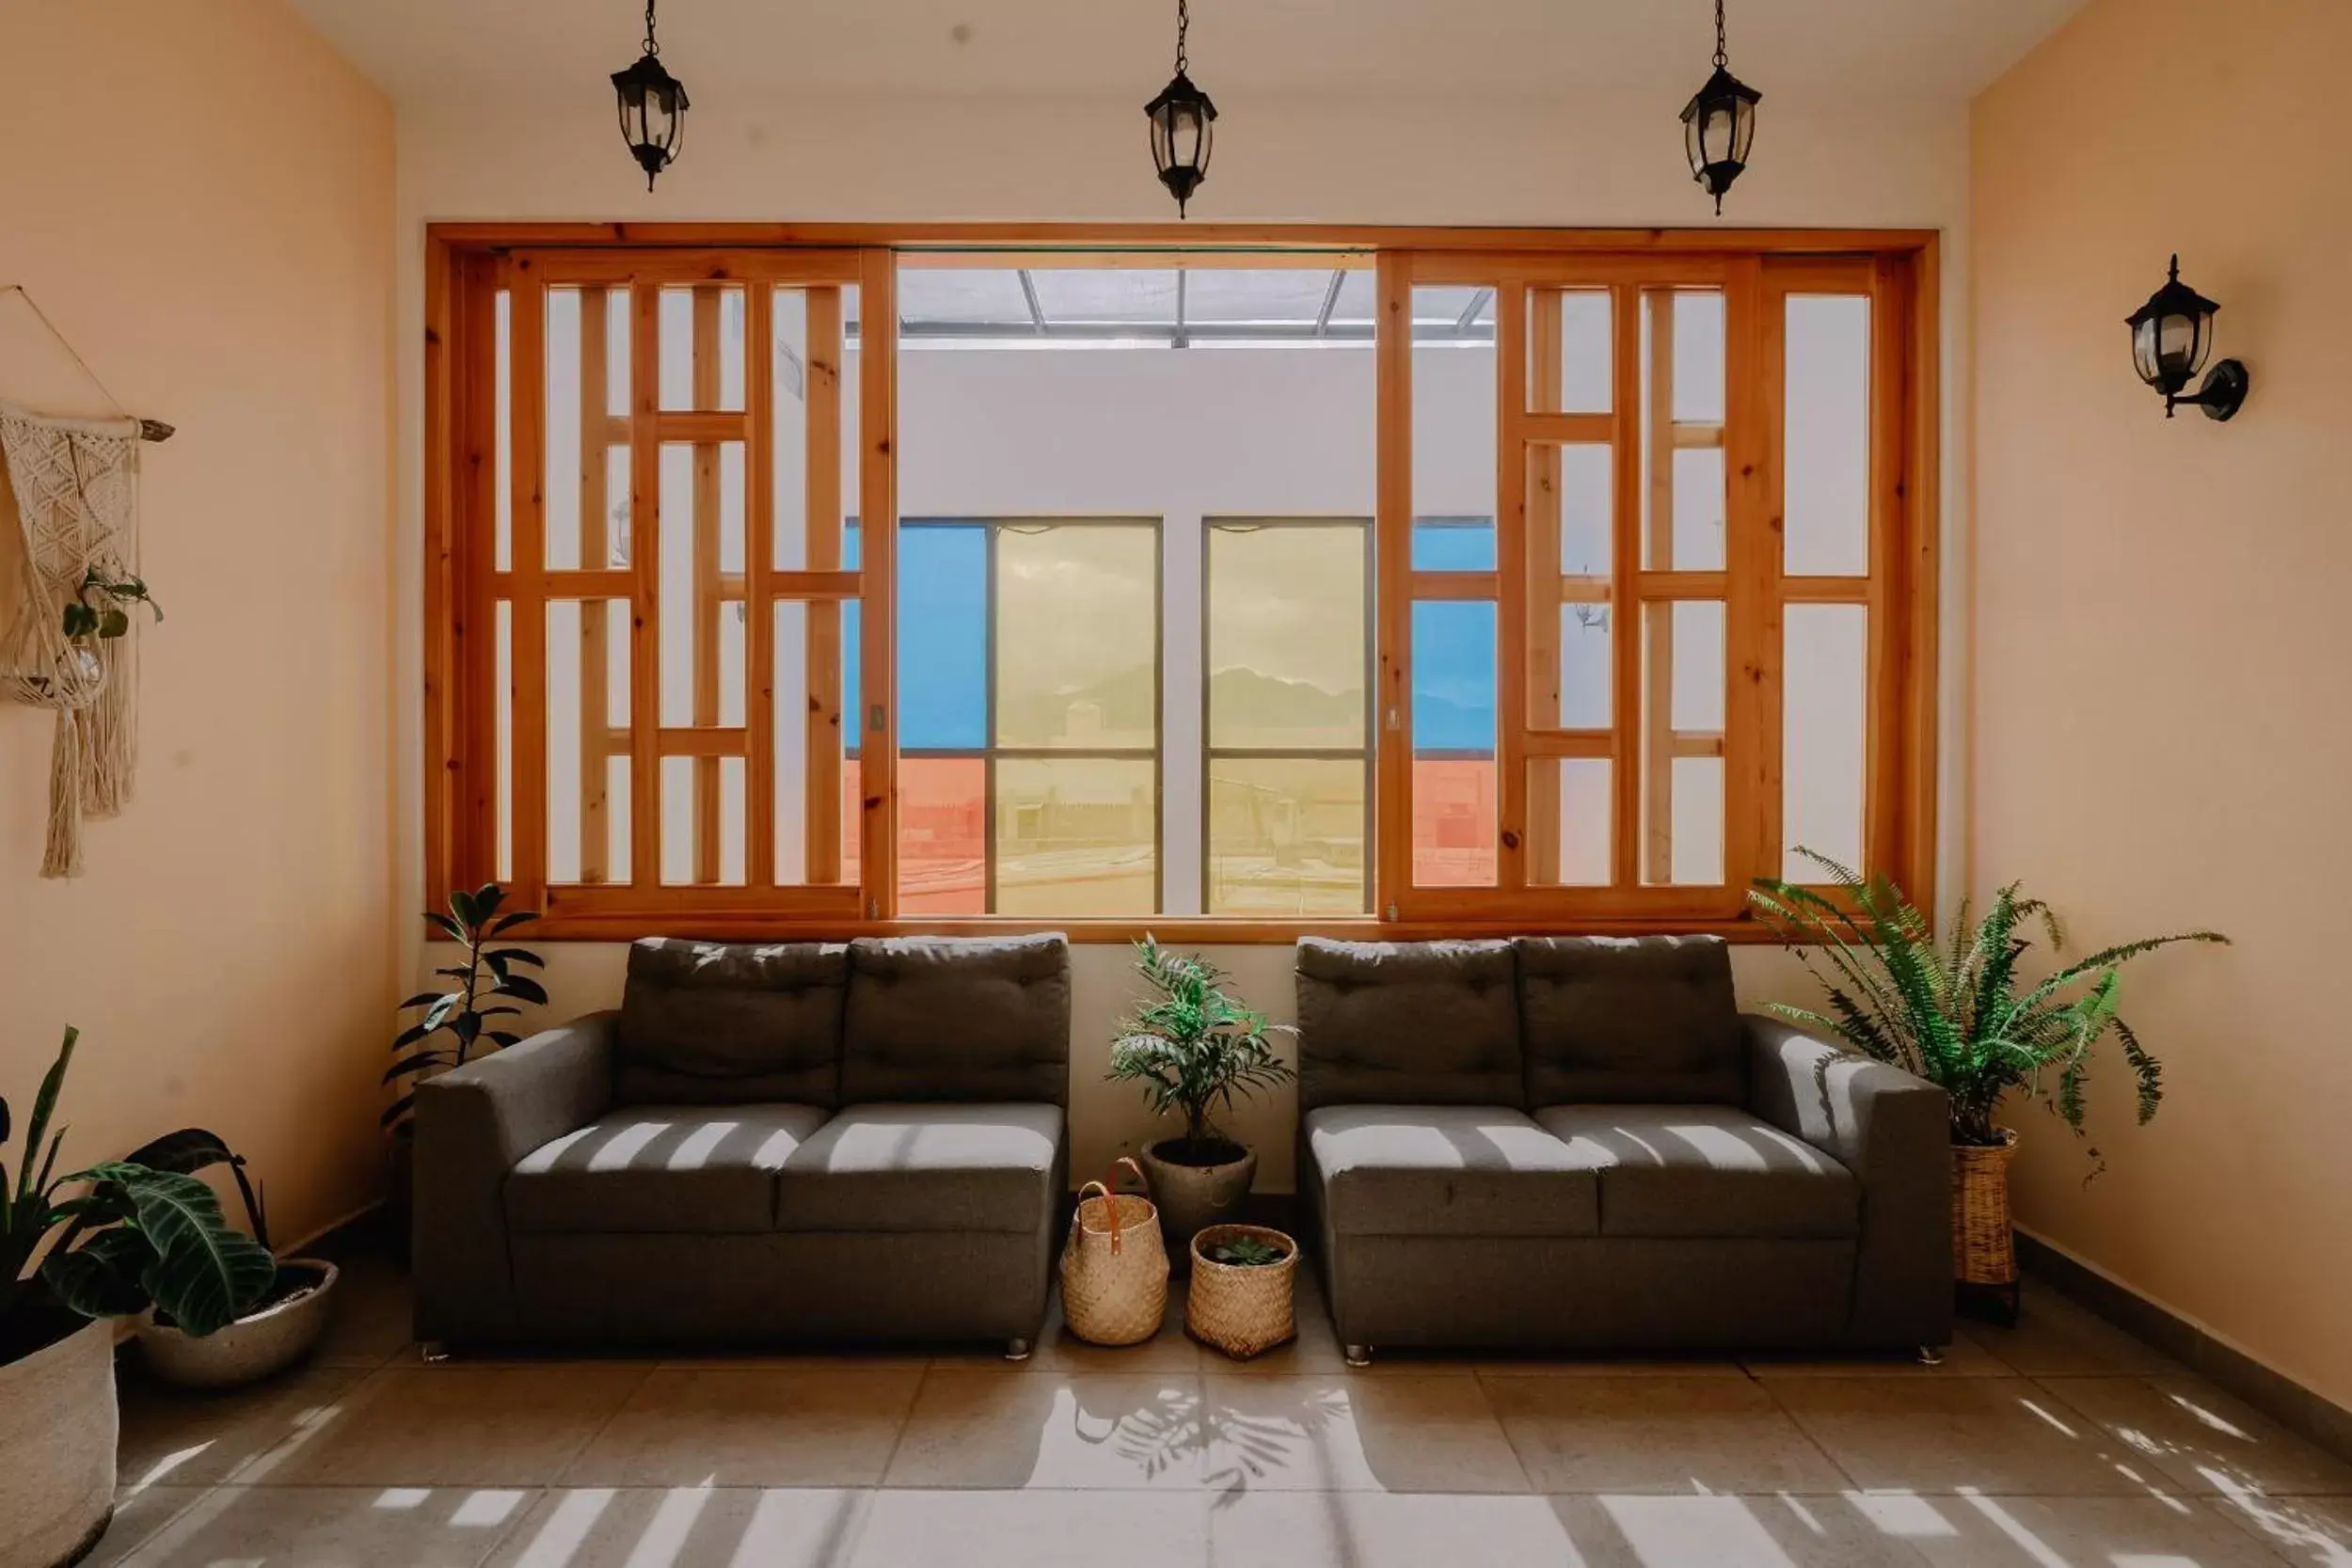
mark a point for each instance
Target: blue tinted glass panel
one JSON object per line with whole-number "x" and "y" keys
{"x": 852, "y": 686}
{"x": 942, "y": 637}
{"x": 1453, "y": 676}
{"x": 1453, "y": 544}
{"x": 849, "y": 536}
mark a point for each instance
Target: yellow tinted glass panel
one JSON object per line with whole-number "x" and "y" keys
{"x": 1286, "y": 648}
{"x": 1077, "y": 628}
{"x": 1286, "y": 837}
{"x": 1077, "y": 836}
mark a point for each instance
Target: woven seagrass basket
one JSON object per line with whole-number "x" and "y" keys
{"x": 1983, "y": 1249}
{"x": 1114, "y": 1269}
{"x": 1243, "y": 1309}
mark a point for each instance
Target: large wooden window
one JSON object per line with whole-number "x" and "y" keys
{"x": 1644, "y": 605}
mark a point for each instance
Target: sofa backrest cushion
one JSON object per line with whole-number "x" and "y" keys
{"x": 1627, "y": 1021}
{"x": 706, "y": 1023}
{"x": 944, "y": 1018}
{"x": 1407, "y": 1024}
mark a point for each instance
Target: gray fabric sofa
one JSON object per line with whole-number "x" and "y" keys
{"x": 1580, "y": 1143}
{"x": 763, "y": 1145}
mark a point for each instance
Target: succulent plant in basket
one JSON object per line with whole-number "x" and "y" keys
{"x": 1246, "y": 1252}
{"x": 1193, "y": 1048}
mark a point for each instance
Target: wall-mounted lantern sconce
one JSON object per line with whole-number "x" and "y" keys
{"x": 2172, "y": 335}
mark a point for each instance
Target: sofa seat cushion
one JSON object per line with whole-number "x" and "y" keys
{"x": 660, "y": 1169}
{"x": 1705, "y": 1171}
{"x": 1447, "y": 1170}
{"x": 925, "y": 1166}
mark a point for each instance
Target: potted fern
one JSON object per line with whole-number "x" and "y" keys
{"x": 111, "y": 1240}
{"x": 1192, "y": 1048}
{"x": 1962, "y": 1015}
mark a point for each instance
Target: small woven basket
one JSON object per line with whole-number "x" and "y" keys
{"x": 1114, "y": 1270}
{"x": 1983, "y": 1250}
{"x": 1243, "y": 1309}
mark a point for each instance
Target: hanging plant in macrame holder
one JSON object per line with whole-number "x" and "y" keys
{"x": 68, "y": 646}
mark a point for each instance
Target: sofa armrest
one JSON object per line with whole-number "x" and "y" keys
{"x": 1892, "y": 1131}
{"x": 472, "y": 1124}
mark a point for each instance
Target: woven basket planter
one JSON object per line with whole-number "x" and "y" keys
{"x": 1983, "y": 1250}
{"x": 1114, "y": 1270}
{"x": 1243, "y": 1309}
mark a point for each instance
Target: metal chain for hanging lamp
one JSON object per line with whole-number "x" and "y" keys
{"x": 1182, "y": 121}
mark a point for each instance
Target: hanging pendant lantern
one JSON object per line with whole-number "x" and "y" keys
{"x": 1719, "y": 123}
{"x": 653, "y": 108}
{"x": 1182, "y": 125}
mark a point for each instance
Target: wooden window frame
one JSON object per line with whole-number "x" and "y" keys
{"x": 467, "y": 262}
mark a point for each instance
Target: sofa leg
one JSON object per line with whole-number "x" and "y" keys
{"x": 1931, "y": 1356}
{"x": 1359, "y": 1355}
{"x": 433, "y": 1351}
{"x": 1016, "y": 1350}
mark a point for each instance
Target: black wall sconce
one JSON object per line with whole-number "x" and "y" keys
{"x": 2172, "y": 335}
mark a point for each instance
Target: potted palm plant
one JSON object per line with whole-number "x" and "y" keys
{"x": 1192, "y": 1048}
{"x": 110, "y": 1241}
{"x": 1962, "y": 1015}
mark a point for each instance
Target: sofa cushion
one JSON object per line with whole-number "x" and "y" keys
{"x": 1705, "y": 1170}
{"x": 661, "y": 1168}
{"x": 1630, "y": 1021}
{"x": 1447, "y": 1170}
{"x": 926, "y": 1166}
{"x": 1407, "y": 1024}
{"x": 731, "y": 1023}
{"x": 940, "y": 1018}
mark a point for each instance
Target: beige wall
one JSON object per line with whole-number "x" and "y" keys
{"x": 201, "y": 196}
{"x": 2163, "y": 703}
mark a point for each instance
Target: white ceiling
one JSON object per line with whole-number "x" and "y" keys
{"x": 437, "y": 50}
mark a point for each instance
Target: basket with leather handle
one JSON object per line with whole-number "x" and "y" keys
{"x": 1114, "y": 1270}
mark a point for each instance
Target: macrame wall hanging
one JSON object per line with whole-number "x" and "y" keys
{"x": 70, "y": 644}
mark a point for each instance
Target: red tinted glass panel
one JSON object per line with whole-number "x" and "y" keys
{"x": 943, "y": 835}
{"x": 1453, "y": 822}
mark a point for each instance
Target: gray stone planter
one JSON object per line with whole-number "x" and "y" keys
{"x": 1194, "y": 1197}
{"x": 58, "y": 1448}
{"x": 253, "y": 1347}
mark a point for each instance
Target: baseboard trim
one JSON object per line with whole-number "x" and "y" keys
{"x": 332, "y": 1236}
{"x": 2300, "y": 1410}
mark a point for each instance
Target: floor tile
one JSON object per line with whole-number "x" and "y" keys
{"x": 139, "y": 1515}
{"x": 1963, "y": 1358}
{"x": 183, "y": 1437}
{"x": 2056, "y": 1336}
{"x": 375, "y": 1307}
{"x": 1568, "y": 1364}
{"x": 365, "y": 1527}
{"x": 1034, "y": 1529}
{"x": 2201, "y": 1438}
{"x": 1976, "y": 1530}
{"x": 1015, "y": 1430}
{"x": 1701, "y": 1531}
{"x": 820, "y": 1427}
{"x": 1941, "y": 1434}
{"x": 685, "y": 1526}
{"x": 1168, "y": 1351}
{"x": 1374, "y": 1529}
{"x": 453, "y": 1426}
{"x": 2300, "y": 1529}
{"x": 1337, "y": 1433}
{"x": 1644, "y": 1435}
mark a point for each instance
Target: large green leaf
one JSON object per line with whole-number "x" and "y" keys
{"x": 205, "y": 1272}
{"x": 103, "y": 1276}
{"x": 44, "y": 1106}
{"x": 187, "y": 1151}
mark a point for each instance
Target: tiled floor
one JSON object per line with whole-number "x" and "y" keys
{"x": 2059, "y": 1444}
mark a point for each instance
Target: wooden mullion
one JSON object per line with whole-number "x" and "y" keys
{"x": 824, "y": 743}
{"x": 1658, "y": 641}
{"x": 1392, "y": 574}
{"x": 1474, "y": 586}
{"x": 759, "y": 611}
{"x": 596, "y": 830}
{"x": 1882, "y": 794}
{"x": 705, "y": 595}
{"x": 878, "y": 479}
{"x": 1570, "y": 743}
{"x": 1624, "y": 553}
{"x": 1545, "y": 596}
{"x": 526, "y": 424}
{"x": 1751, "y": 715}
{"x": 645, "y": 559}
{"x": 1919, "y": 603}
{"x": 1511, "y": 555}
{"x": 1551, "y": 427}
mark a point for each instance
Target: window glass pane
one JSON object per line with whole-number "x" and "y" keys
{"x": 1825, "y": 733}
{"x": 1568, "y": 810}
{"x": 702, "y": 515}
{"x": 1077, "y": 635}
{"x": 1581, "y": 367}
{"x": 1286, "y": 837}
{"x": 1359, "y": 301}
{"x": 942, "y": 637}
{"x": 1454, "y": 793}
{"x": 1587, "y": 481}
{"x": 1682, "y": 728}
{"x": 1077, "y": 836}
{"x": 587, "y": 703}
{"x": 1698, "y": 357}
{"x": 1828, "y": 422}
{"x": 1453, "y": 544}
{"x": 502, "y": 670}
{"x": 702, "y": 821}
{"x": 963, "y": 296}
{"x": 586, "y": 481}
{"x": 812, "y": 658}
{"x": 1699, "y": 495}
{"x": 560, "y": 439}
{"x": 1586, "y": 662}
{"x": 1286, "y": 635}
{"x": 502, "y": 437}
{"x": 702, "y": 347}
{"x": 1098, "y": 295}
{"x": 787, "y": 326}
{"x": 1453, "y": 413}
{"x": 1285, "y": 296}
{"x": 943, "y": 835}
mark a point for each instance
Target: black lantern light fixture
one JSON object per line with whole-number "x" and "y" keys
{"x": 653, "y": 107}
{"x": 1184, "y": 123}
{"x": 1719, "y": 123}
{"x": 2172, "y": 335}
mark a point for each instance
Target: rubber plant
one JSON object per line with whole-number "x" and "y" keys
{"x": 484, "y": 986}
{"x": 1192, "y": 1047}
{"x": 1961, "y": 1013}
{"x": 113, "y": 1239}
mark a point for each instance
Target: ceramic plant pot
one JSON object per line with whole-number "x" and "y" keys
{"x": 58, "y": 1448}
{"x": 1193, "y": 1195}
{"x": 255, "y": 1346}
